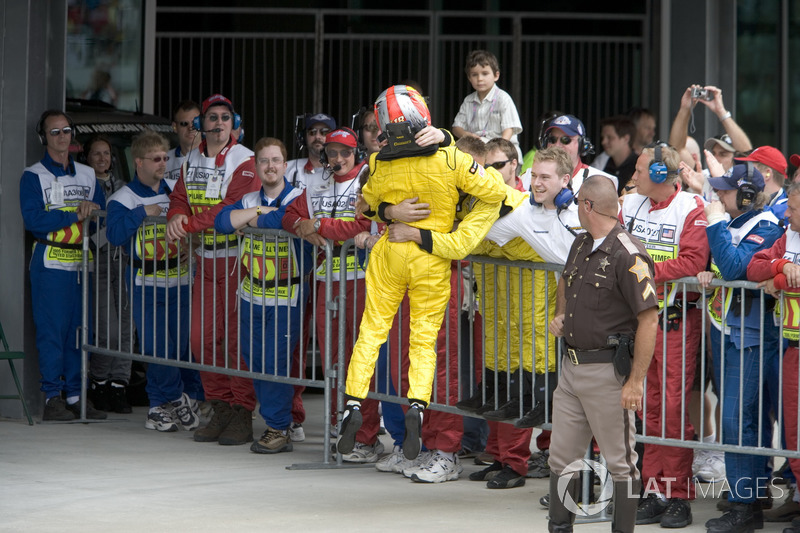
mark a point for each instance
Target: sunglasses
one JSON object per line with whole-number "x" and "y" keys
{"x": 158, "y": 158}
{"x": 563, "y": 140}
{"x": 336, "y": 153}
{"x": 55, "y": 132}
{"x": 322, "y": 131}
{"x": 372, "y": 128}
{"x": 184, "y": 124}
{"x": 497, "y": 165}
{"x": 213, "y": 118}
{"x": 577, "y": 201}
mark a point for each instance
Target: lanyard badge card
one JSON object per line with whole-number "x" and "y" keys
{"x": 57, "y": 193}
{"x": 214, "y": 185}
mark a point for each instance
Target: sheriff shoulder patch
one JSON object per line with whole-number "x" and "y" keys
{"x": 640, "y": 269}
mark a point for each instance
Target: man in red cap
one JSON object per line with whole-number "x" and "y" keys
{"x": 772, "y": 165}
{"x": 216, "y": 173}
{"x": 326, "y": 210}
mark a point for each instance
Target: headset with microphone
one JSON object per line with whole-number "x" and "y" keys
{"x": 359, "y": 152}
{"x": 52, "y": 113}
{"x": 197, "y": 124}
{"x": 658, "y": 168}
{"x": 746, "y": 191}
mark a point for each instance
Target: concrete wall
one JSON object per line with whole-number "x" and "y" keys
{"x": 32, "y": 59}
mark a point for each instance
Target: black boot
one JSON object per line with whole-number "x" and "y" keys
{"x": 118, "y": 397}
{"x": 738, "y": 518}
{"x": 626, "y": 502}
{"x": 98, "y": 394}
{"x": 561, "y": 518}
{"x": 543, "y": 402}
{"x": 516, "y": 406}
{"x": 472, "y": 403}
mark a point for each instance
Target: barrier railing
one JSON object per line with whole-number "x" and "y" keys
{"x": 491, "y": 317}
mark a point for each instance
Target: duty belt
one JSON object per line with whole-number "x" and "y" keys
{"x": 588, "y": 357}
{"x": 67, "y": 245}
{"x": 150, "y": 266}
{"x": 272, "y": 283}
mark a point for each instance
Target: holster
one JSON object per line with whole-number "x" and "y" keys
{"x": 623, "y": 357}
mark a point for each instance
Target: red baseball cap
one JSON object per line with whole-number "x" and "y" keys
{"x": 767, "y": 155}
{"x": 344, "y": 136}
{"x": 216, "y": 99}
{"x": 795, "y": 160}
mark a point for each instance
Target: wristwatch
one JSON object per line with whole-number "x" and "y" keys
{"x": 317, "y": 224}
{"x": 258, "y": 210}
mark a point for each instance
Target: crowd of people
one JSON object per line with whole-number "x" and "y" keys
{"x": 416, "y": 202}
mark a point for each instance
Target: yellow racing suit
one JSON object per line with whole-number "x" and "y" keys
{"x": 395, "y": 268}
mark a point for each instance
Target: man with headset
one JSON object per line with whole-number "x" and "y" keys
{"x": 568, "y": 132}
{"x": 217, "y": 173}
{"x": 315, "y": 128}
{"x": 188, "y": 139}
{"x": 740, "y": 370}
{"x": 56, "y": 196}
{"x": 326, "y": 210}
{"x": 671, "y": 224}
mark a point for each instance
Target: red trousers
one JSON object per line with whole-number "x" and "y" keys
{"x": 299, "y": 363}
{"x": 790, "y": 369}
{"x": 509, "y": 445}
{"x": 215, "y": 308}
{"x": 667, "y": 467}
{"x": 354, "y": 308}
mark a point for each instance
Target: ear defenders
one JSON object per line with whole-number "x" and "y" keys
{"x": 561, "y": 201}
{"x": 746, "y": 192}
{"x": 47, "y": 114}
{"x": 658, "y": 169}
{"x": 197, "y": 122}
{"x": 359, "y": 151}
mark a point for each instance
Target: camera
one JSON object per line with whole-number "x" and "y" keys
{"x": 705, "y": 94}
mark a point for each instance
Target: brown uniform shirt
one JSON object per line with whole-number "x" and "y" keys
{"x": 606, "y": 289}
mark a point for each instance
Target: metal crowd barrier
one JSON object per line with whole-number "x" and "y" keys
{"x": 462, "y": 337}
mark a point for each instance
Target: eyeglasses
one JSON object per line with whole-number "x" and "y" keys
{"x": 344, "y": 154}
{"x": 322, "y": 131}
{"x": 577, "y": 201}
{"x": 184, "y": 124}
{"x": 55, "y": 131}
{"x": 563, "y": 139}
{"x": 372, "y": 128}
{"x": 267, "y": 161}
{"x": 213, "y": 118}
{"x": 158, "y": 158}
{"x": 499, "y": 164}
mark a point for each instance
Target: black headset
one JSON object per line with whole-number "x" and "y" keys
{"x": 359, "y": 151}
{"x": 746, "y": 190}
{"x": 658, "y": 169}
{"x": 52, "y": 113}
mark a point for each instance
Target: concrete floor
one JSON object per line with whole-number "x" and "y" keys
{"x": 117, "y": 476}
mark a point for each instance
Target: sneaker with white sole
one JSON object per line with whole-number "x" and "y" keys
{"x": 387, "y": 463}
{"x": 160, "y": 419}
{"x": 439, "y": 469}
{"x": 363, "y": 453}
{"x": 713, "y": 468}
{"x": 411, "y": 466}
{"x": 296, "y": 433}
{"x": 183, "y": 413}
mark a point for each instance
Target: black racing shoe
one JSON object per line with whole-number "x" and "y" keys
{"x": 538, "y": 466}
{"x": 487, "y": 473}
{"x": 351, "y": 423}
{"x": 507, "y": 478}
{"x": 56, "y": 409}
{"x": 411, "y": 440}
{"x": 91, "y": 412}
{"x": 98, "y": 392}
{"x": 738, "y": 518}
{"x": 533, "y": 418}
{"x": 118, "y": 398}
{"x": 507, "y": 411}
{"x": 650, "y": 510}
{"x": 677, "y": 514}
{"x": 472, "y": 403}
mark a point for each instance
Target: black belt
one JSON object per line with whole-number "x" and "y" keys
{"x": 152, "y": 266}
{"x": 793, "y": 344}
{"x": 588, "y": 357}
{"x": 273, "y": 283}
{"x": 66, "y": 245}
{"x": 219, "y": 245}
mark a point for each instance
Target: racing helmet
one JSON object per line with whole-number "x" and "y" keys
{"x": 402, "y": 103}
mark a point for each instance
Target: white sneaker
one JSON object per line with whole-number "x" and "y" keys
{"x": 713, "y": 469}
{"x": 411, "y": 466}
{"x": 160, "y": 419}
{"x": 363, "y": 453}
{"x": 438, "y": 469}
{"x": 183, "y": 413}
{"x": 698, "y": 461}
{"x": 388, "y": 462}
{"x": 296, "y": 433}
